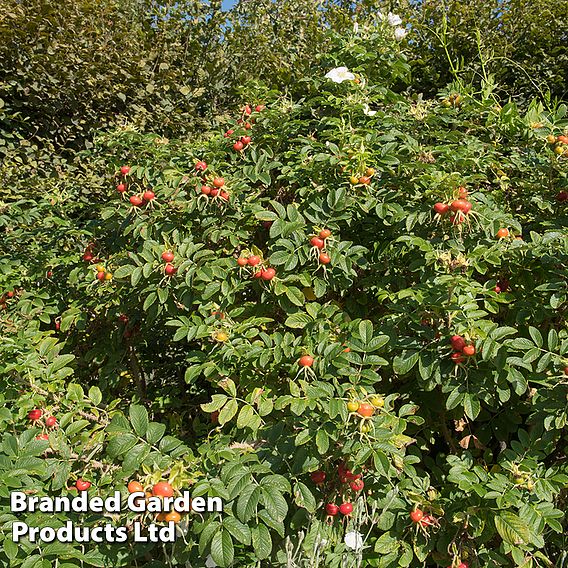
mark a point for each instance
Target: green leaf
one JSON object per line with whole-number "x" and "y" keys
{"x": 139, "y": 419}
{"x": 471, "y": 405}
{"x": 123, "y": 271}
{"x": 228, "y": 411}
{"x": 322, "y": 441}
{"x": 366, "y": 331}
{"x": 299, "y": 320}
{"x": 217, "y": 401}
{"x": 120, "y": 444}
{"x": 222, "y": 549}
{"x": 402, "y": 364}
{"x": 536, "y": 336}
{"x": 248, "y": 502}
{"x": 207, "y": 534}
{"x": 95, "y": 395}
{"x": 10, "y": 548}
{"x": 239, "y": 531}
{"x": 76, "y": 427}
{"x": 136, "y": 276}
{"x": 552, "y": 339}
{"x": 295, "y": 295}
{"x": 245, "y": 416}
{"x": 155, "y": 432}
{"x": 303, "y": 437}
{"x": 261, "y": 541}
{"x": 275, "y": 504}
{"x": 512, "y": 529}
{"x": 304, "y": 497}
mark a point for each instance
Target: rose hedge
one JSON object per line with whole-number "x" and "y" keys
{"x": 190, "y": 369}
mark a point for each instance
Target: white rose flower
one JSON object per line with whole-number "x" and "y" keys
{"x": 340, "y": 74}
{"x": 400, "y": 33}
{"x": 354, "y": 540}
{"x": 368, "y": 111}
{"x": 355, "y": 28}
{"x": 210, "y": 563}
{"x": 394, "y": 19}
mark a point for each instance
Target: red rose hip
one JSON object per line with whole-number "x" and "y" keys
{"x": 331, "y": 509}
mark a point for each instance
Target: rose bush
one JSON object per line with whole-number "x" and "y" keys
{"x": 325, "y": 325}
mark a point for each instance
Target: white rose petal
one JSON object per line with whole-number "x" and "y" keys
{"x": 400, "y": 33}
{"x": 355, "y": 28}
{"x": 321, "y": 543}
{"x": 340, "y": 74}
{"x": 354, "y": 540}
{"x": 210, "y": 563}
{"x": 394, "y": 19}
{"x": 380, "y": 15}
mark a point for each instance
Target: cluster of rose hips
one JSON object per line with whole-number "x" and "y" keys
{"x": 50, "y": 422}
{"x": 136, "y": 200}
{"x": 461, "y": 349}
{"x": 160, "y": 489}
{"x": 139, "y": 200}
{"x": 241, "y": 143}
{"x": 216, "y": 187}
{"x": 364, "y": 179}
{"x": 454, "y": 100}
{"x": 102, "y": 274}
{"x": 459, "y": 208}
{"x": 124, "y": 171}
{"x": 365, "y": 410}
{"x": 5, "y": 297}
{"x": 423, "y": 521}
{"x": 345, "y": 476}
{"x": 418, "y": 517}
{"x": 319, "y": 243}
{"x": 259, "y": 271}
{"x": 560, "y": 144}
{"x": 168, "y": 258}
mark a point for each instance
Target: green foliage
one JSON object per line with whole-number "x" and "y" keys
{"x": 194, "y": 376}
{"x": 517, "y": 45}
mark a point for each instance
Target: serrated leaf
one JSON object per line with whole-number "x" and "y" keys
{"x": 228, "y": 411}
{"x": 217, "y": 401}
{"x": 245, "y": 416}
{"x": 155, "y": 432}
{"x": 304, "y": 497}
{"x": 261, "y": 541}
{"x": 403, "y": 363}
{"x": 471, "y": 406}
{"x": 248, "y": 502}
{"x": 95, "y": 395}
{"x": 275, "y": 504}
{"x": 366, "y": 331}
{"x": 138, "y": 418}
{"x": 512, "y": 529}
{"x": 299, "y": 320}
{"x": 239, "y": 531}
{"x": 222, "y": 549}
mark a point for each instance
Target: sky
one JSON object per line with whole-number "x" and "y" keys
{"x": 228, "y": 4}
